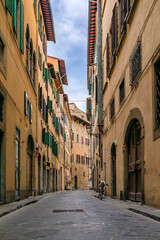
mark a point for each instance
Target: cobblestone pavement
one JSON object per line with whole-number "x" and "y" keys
{"x": 75, "y": 215}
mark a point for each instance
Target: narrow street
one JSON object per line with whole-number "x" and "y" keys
{"x": 76, "y": 215}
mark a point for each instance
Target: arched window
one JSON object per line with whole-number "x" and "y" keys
{"x": 34, "y": 68}
{"x": 31, "y": 59}
{"x": 27, "y": 47}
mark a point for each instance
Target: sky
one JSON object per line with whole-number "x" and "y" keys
{"x": 71, "y": 31}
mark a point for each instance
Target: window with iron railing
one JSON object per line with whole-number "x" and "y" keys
{"x": 135, "y": 64}
{"x": 157, "y": 92}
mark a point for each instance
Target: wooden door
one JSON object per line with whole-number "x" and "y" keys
{"x": 39, "y": 175}
{"x": 29, "y": 174}
{"x": 134, "y": 164}
{"x": 75, "y": 182}
{"x": 0, "y": 165}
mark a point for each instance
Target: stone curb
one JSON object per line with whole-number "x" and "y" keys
{"x": 132, "y": 209}
{"x": 156, "y": 218}
{"x": 18, "y": 207}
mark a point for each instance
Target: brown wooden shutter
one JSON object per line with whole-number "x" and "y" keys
{"x": 108, "y": 63}
{"x": 116, "y": 26}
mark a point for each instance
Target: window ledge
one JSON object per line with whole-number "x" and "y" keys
{"x": 156, "y": 134}
{"x": 3, "y": 70}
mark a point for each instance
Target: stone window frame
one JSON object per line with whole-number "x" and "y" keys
{"x": 3, "y": 64}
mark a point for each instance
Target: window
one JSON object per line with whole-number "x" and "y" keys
{"x": 121, "y": 91}
{"x": 112, "y": 108}
{"x": 73, "y": 136}
{"x": 157, "y": 92}
{"x": 135, "y": 64}
{"x": 2, "y": 46}
{"x": 72, "y": 157}
{"x": 35, "y": 5}
{"x": 1, "y": 107}
{"x": 87, "y": 161}
{"x": 27, "y": 47}
{"x": 96, "y": 90}
{"x": 114, "y": 31}
{"x": 82, "y": 140}
{"x": 124, "y": 7}
{"x": 82, "y": 160}
{"x": 75, "y": 169}
{"x": 34, "y": 68}
{"x": 31, "y": 59}
{"x": 108, "y": 54}
{"x": 83, "y": 174}
{"x": 77, "y": 138}
{"x": 78, "y": 159}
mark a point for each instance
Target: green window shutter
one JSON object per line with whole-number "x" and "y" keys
{"x": 35, "y": 6}
{"x": 38, "y": 17}
{"x": 15, "y": 16}
{"x": 43, "y": 68}
{"x": 30, "y": 114}
{"x": 47, "y": 138}
{"x": 65, "y": 137}
{"x": 46, "y": 113}
{"x": 25, "y": 104}
{"x": 9, "y": 6}
{"x": 21, "y": 26}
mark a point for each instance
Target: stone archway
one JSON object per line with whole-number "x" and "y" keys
{"x": 133, "y": 153}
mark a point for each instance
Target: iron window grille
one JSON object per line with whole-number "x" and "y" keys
{"x": 122, "y": 91}
{"x": 112, "y": 108}
{"x": 157, "y": 92}
{"x": 135, "y": 64}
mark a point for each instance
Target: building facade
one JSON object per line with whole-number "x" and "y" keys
{"x": 130, "y": 56}
{"x": 81, "y": 172}
{"x": 30, "y": 161}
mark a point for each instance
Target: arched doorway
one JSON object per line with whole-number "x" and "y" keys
{"x": 134, "y": 157}
{"x": 113, "y": 170}
{"x": 30, "y": 147}
{"x": 39, "y": 174}
{"x": 134, "y": 162}
{"x": 75, "y": 182}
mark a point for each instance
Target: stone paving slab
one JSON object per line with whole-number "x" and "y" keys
{"x": 136, "y": 207}
{"x": 11, "y": 207}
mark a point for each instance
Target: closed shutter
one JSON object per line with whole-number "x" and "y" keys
{"x": 30, "y": 114}
{"x": 47, "y": 138}
{"x": 15, "y": 16}
{"x": 46, "y": 113}
{"x": 65, "y": 137}
{"x": 40, "y": 97}
{"x": 43, "y": 68}
{"x": 38, "y": 17}
{"x": 9, "y": 6}
{"x": 35, "y": 6}
{"x": 43, "y": 135}
{"x": 116, "y": 26}
{"x": 21, "y": 26}
{"x": 25, "y": 104}
{"x": 108, "y": 54}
